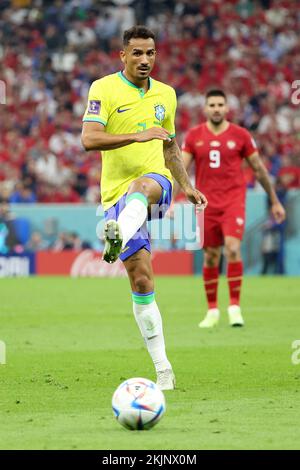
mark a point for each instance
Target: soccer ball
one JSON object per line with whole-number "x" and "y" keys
{"x": 138, "y": 404}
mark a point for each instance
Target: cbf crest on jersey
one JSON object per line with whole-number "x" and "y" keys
{"x": 160, "y": 112}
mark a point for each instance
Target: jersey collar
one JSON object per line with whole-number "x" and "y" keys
{"x": 220, "y": 133}
{"x": 129, "y": 83}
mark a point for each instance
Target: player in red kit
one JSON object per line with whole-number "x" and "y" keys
{"x": 218, "y": 149}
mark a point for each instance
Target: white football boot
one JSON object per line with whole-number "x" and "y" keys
{"x": 235, "y": 316}
{"x": 211, "y": 319}
{"x": 166, "y": 379}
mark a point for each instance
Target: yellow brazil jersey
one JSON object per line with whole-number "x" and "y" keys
{"x": 123, "y": 108}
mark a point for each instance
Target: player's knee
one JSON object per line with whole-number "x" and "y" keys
{"x": 211, "y": 262}
{"x": 232, "y": 252}
{"x": 143, "y": 283}
{"x": 211, "y": 258}
{"x": 138, "y": 186}
{"x": 150, "y": 188}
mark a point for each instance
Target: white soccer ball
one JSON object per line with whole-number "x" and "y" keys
{"x": 138, "y": 404}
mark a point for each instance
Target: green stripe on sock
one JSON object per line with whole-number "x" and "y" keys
{"x": 139, "y": 196}
{"x": 143, "y": 299}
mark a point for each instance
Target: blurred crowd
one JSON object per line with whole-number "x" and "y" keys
{"x": 51, "y": 51}
{"x": 17, "y": 235}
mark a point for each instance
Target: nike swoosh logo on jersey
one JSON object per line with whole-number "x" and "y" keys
{"x": 123, "y": 110}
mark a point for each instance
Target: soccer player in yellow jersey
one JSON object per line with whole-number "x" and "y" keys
{"x": 130, "y": 118}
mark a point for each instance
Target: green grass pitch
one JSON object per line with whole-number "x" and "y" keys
{"x": 70, "y": 342}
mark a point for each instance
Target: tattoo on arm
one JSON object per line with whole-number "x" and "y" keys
{"x": 262, "y": 175}
{"x": 175, "y": 164}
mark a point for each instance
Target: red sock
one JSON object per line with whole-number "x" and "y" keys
{"x": 211, "y": 278}
{"x": 235, "y": 277}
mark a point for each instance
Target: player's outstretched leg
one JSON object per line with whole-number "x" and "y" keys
{"x": 148, "y": 316}
{"x": 142, "y": 192}
{"x": 118, "y": 233}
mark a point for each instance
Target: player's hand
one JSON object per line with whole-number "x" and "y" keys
{"x": 197, "y": 198}
{"x": 278, "y": 212}
{"x": 153, "y": 133}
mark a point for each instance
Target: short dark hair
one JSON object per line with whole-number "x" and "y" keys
{"x": 138, "y": 31}
{"x": 215, "y": 92}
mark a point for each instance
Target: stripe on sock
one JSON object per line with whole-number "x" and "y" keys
{"x": 143, "y": 298}
{"x": 211, "y": 279}
{"x": 235, "y": 277}
{"x": 140, "y": 196}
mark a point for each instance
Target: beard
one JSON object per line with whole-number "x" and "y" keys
{"x": 217, "y": 121}
{"x": 143, "y": 74}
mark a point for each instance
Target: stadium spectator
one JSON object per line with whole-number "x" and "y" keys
{"x": 8, "y": 237}
{"x": 80, "y": 35}
{"x": 289, "y": 173}
{"x": 69, "y": 241}
{"x": 63, "y": 242}
{"x": 36, "y": 243}
{"x": 273, "y": 243}
{"x": 270, "y": 247}
{"x": 22, "y": 194}
{"x": 46, "y": 166}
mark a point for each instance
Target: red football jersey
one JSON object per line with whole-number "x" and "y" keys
{"x": 218, "y": 162}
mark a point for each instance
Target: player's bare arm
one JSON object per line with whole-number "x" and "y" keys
{"x": 262, "y": 176}
{"x": 187, "y": 159}
{"x": 94, "y": 137}
{"x": 176, "y": 165}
